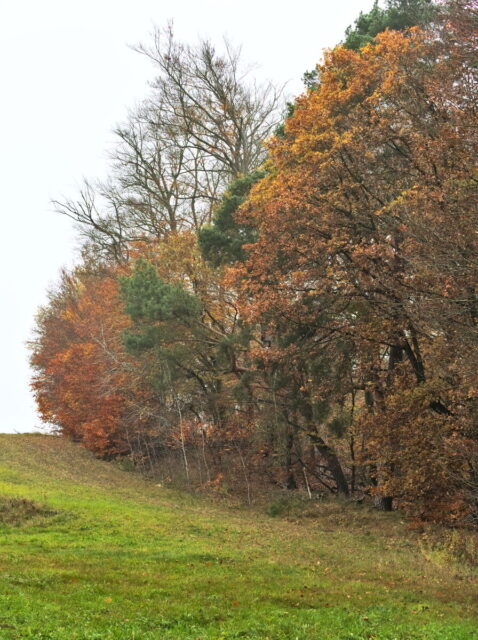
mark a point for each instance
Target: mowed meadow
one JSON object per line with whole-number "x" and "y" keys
{"x": 90, "y": 551}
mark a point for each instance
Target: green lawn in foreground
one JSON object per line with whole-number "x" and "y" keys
{"x": 122, "y": 558}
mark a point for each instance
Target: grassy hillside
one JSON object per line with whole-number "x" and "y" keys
{"x": 101, "y": 554}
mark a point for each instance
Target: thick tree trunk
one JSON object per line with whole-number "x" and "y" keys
{"x": 332, "y": 462}
{"x": 290, "y": 482}
{"x": 383, "y": 503}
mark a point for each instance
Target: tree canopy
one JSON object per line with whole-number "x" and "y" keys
{"x": 290, "y": 307}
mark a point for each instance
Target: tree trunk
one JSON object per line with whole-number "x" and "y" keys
{"x": 290, "y": 482}
{"x": 332, "y": 462}
{"x": 383, "y": 503}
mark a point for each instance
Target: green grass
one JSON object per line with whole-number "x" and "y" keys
{"x": 101, "y": 554}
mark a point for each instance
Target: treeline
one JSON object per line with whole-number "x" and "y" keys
{"x": 286, "y": 302}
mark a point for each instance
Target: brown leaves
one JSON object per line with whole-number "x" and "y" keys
{"x": 366, "y": 234}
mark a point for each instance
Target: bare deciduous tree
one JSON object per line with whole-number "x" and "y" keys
{"x": 203, "y": 125}
{"x": 211, "y": 98}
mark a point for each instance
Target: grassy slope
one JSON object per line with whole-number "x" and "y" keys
{"x": 124, "y": 558}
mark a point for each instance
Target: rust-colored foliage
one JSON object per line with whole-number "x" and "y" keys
{"x": 341, "y": 354}
{"x": 77, "y": 355}
{"x": 367, "y": 244}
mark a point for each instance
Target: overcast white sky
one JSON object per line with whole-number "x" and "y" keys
{"x": 67, "y": 76}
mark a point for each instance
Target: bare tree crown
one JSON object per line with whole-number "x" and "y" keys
{"x": 203, "y": 125}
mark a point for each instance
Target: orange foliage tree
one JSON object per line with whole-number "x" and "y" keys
{"x": 367, "y": 245}
{"x": 337, "y": 348}
{"x": 80, "y": 362}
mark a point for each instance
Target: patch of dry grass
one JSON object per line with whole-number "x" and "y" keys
{"x": 19, "y": 511}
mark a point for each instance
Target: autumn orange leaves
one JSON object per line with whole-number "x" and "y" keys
{"x": 326, "y": 336}
{"x": 367, "y": 247}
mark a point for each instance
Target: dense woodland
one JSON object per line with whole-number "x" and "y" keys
{"x": 286, "y": 296}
